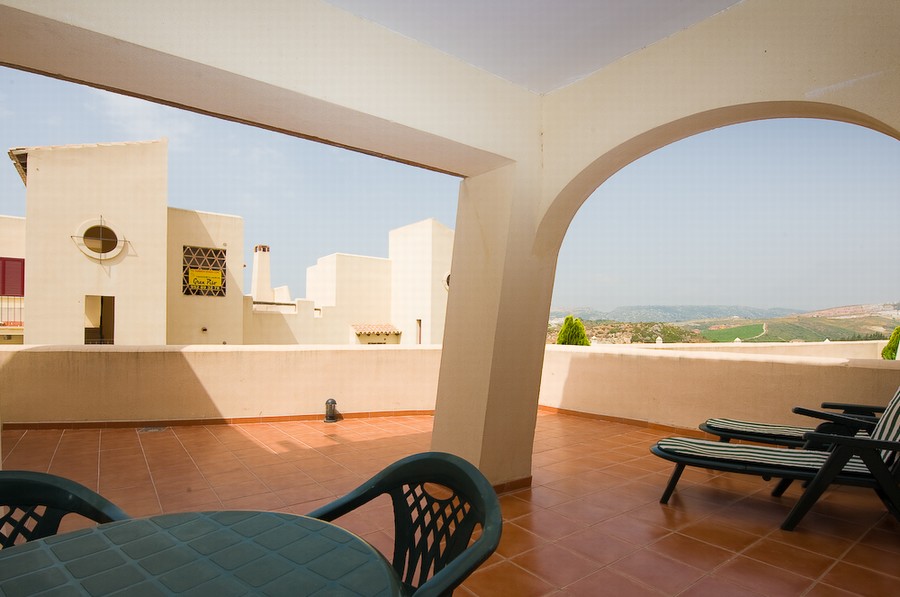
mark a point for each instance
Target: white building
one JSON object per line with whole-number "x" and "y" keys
{"x": 108, "y": 262}
{"x": 357, "y": 299}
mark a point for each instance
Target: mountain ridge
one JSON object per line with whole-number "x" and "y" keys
{"x": 684, "y": 313}
{"x": 673, "y": 313}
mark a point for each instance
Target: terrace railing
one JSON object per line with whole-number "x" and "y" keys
{"x": 12, "y": 309}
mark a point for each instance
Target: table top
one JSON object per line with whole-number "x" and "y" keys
{"x": 200, "y": 553}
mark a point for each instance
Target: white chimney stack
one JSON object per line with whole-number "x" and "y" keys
{"x": 261, "y": 280}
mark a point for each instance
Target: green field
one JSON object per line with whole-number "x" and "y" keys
{"x": 817, "y": 329}
{"x": 729, "y": 334}
{"x": 785, "y": 331}
{"x": 805, "y": 329}
{"x": 782, "y": 329}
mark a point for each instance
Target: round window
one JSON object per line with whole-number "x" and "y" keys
{"x": 100, "y": 239}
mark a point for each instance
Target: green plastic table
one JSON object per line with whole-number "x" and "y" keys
{"x": 200, "y": 553}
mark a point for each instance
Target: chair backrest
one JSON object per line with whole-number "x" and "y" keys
{"x": 438, "y": 500}
{"x": 35, "y": 503}
{"x": 888, "y": 427}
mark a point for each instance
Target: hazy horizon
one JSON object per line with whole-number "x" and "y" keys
{"x": 575, "y": 308}
{"x": 796, "y": 214}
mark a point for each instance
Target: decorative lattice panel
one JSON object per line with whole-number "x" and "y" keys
{"x": 203, "y": 271}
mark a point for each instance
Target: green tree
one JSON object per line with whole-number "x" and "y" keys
{"x": 572, "y": 333}
{"x": 889, "y": 352}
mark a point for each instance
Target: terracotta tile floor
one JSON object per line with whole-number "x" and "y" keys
{"x": 589, "y": 525}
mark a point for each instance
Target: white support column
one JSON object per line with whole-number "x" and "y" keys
{"x": 496, "y": 323}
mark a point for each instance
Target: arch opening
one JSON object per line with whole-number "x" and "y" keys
{"x": 773, "y": 222}
{"x": 562, "y": 209}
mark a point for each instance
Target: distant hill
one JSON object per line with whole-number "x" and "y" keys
{"x": 725, "y": 323}
{"x": 852, "y": 311}
{"x": 673, "y": 313}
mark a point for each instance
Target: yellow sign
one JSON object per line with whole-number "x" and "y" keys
{"x": 204, "y": 279}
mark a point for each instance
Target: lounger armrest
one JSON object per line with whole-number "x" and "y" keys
{"x": 852, "y": 441}
{"x": 854, "y": 409}
{"x": 853, "y": 422}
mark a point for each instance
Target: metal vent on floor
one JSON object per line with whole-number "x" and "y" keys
{"x": 151, "y": 429}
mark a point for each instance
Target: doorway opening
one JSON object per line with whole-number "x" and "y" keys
{"x": 99, "y": 319}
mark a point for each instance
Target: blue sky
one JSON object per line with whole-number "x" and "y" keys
{"x": 803, "y": 214}
{"x": 789, "y": 213}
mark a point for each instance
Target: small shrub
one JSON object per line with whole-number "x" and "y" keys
{"x": 572, "y": 333}
{"x": 889, "y": 352}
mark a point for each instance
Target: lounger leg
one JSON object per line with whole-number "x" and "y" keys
{"x": 890, "y": 501}
{"x": 673, "y": 481}
{"x": 886, "y": 487}
{"x": 782, "y": 486}
{"x": 817, "y": 487}
{"x": 806, "y": 501}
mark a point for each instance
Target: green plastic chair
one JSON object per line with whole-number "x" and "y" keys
{"x": 438, "y": 500}
{"x": 36, "y": 503}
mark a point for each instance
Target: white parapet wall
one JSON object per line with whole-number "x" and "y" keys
{"x": 112, "y": 384}
{"x": 67, "y": 385}
{"x": 682, "y": 388}
{"x": 864, "y": 349}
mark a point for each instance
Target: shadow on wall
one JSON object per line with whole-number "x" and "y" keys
{"x": 211, "y": 383}
{"x": 119, "y": 384}
{"x": 273, "y": 327}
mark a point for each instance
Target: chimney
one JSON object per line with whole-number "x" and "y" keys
{"x": 261, "y": 280}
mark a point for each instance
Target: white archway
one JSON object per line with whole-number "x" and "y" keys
{"x": 557, "y": 218}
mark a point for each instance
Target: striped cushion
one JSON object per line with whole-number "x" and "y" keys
{"x": 888, "y": 426}
{"x": 771, "y": 429}
{"x": 762, "y": 455}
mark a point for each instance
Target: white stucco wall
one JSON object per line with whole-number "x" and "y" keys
{"x": 350, "y": 289}
{"x": 188, "y": 315}
{"x": 675, "y": 388}
{"x": 12, "y": 237}
{"x": 363, "y": 289}
{"x": 300, "y": 325}
{"x": 344, "y": 290}
{"x": 320, "y": 281}
{"x": 115, "y": 383}
{"x": 420, "y": 255}
{"x": 125, "y": 185}
{"x": 864, "y": 349}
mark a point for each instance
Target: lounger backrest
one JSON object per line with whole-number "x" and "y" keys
{"x": 888, "y": 427}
